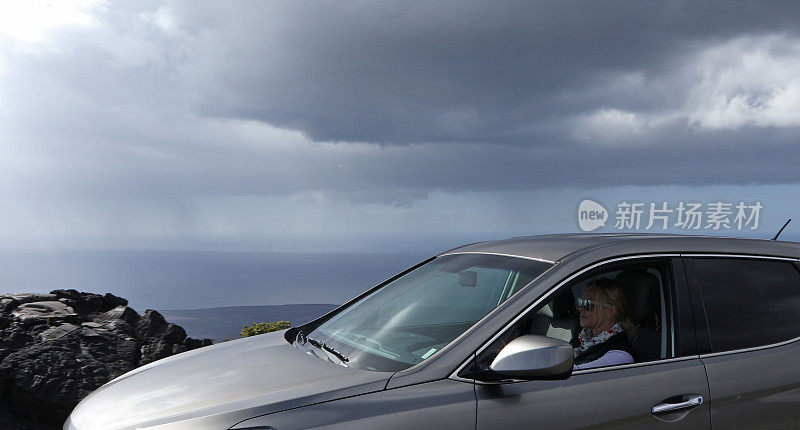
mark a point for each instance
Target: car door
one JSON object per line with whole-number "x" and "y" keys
{"x": 752, "y": 345}
{"x": 664, "y": 393}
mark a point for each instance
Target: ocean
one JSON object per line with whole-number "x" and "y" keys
{"x": 178, "y": 280}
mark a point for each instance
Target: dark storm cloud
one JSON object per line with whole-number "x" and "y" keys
{"x": 183, "y": 99}
{"x": 399, "y": 175}
{"x": 489, "y": 72}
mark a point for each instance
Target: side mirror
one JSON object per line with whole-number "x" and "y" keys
{"x": 532, "y": 356}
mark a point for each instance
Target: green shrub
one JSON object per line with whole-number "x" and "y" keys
{"x": 261, "y": 328}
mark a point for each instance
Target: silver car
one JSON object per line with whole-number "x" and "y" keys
{"x": 477, "y": 338}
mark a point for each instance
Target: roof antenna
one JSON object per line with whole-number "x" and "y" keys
{"x": 781, "y": 230}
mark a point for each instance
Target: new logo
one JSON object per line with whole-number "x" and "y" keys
{"x": 591, "y": 215}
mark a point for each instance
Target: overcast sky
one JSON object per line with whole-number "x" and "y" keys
{"x": 341, "y": 125}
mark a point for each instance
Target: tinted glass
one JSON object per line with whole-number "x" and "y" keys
{"x": 749, "y": 302}
{"x": 412, "y": 317}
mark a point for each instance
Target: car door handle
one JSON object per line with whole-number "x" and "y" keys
{"x": 677, "y": 403}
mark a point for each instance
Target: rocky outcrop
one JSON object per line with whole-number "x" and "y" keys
{"x": 56, "y": 348}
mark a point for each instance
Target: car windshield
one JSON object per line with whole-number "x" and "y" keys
{"x": 409, "y": 319}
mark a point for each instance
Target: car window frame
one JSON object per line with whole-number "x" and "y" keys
{"x": 701, "y": 316}
{"x": 681, "y": 312}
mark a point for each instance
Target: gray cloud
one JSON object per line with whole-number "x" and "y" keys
{"x": 185, "y": 99}
{"x": 489, "y": 72}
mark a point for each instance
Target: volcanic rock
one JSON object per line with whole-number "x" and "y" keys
{"x": 50, "y": 312}
{"x": 56, "y": 348}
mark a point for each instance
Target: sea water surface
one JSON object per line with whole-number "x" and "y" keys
{"x": 201, "y": 279}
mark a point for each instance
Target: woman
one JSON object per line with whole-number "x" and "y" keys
{"x": 606, "y": 324}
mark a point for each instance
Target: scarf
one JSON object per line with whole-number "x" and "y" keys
{"x": 588, "y": 340}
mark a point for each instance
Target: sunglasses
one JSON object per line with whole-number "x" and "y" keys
{"x": 588, "y": 305}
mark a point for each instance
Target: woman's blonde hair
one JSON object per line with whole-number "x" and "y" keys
{"x": 611, "y": 293}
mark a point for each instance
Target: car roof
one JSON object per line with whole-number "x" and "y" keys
{"x": 555, "y": 247}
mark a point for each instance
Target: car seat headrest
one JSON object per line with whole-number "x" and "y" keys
{"x": 642, "y": 291}
{"x": 561, "y": 305}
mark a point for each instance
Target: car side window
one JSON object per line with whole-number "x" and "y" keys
{"x": 645, "y": 286}
{"x": 749, "y": 302}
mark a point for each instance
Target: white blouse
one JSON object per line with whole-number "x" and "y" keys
{"x": 610, "y": 358}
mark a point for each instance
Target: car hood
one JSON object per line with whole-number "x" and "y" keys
{"x": 220, "y": 385}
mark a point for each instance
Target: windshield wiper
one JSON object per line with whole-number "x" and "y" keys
{"x": 338, "y": 354}
{"x": 321, "y": 345}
